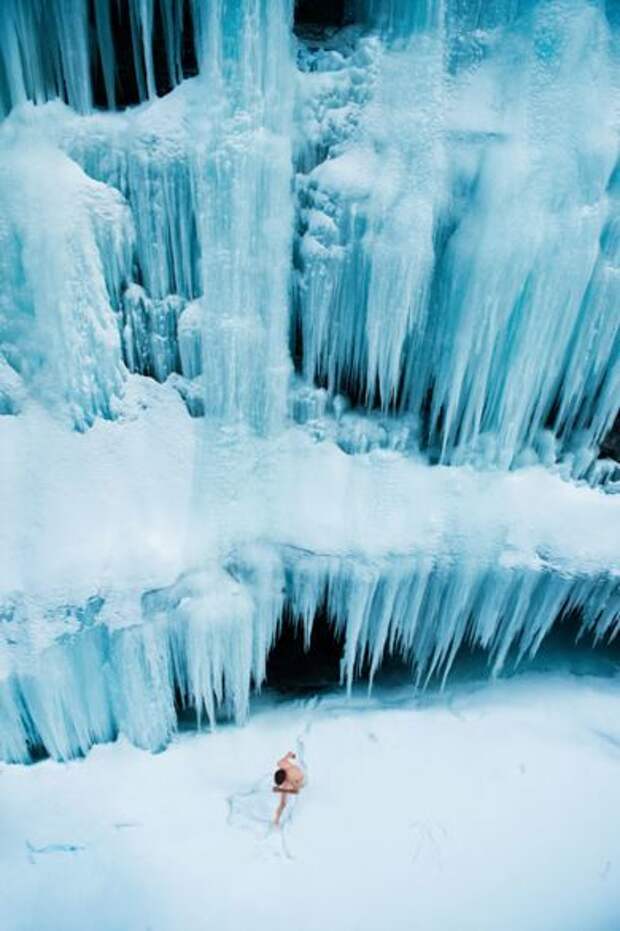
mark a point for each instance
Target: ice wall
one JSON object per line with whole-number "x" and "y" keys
{"x": 106, "y": 630}
{"x": 398, "y": 240}
{"x": 456, "y": 233}
{"x": 205, "y": 640}
{"x": 456, "y": 206}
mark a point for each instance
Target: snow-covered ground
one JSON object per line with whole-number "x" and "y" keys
{"x": 491, "y": 807}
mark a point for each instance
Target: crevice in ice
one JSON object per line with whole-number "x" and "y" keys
{"x": 610, "y": 447}
{"x": 296, "y": 666}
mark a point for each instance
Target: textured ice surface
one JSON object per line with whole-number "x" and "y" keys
{"x": 65, "y": 247}
{"x": 109, "y": 630}
{"x": 456, "y": 234}
{"x": 457, "y": 211}
{"x": 420, "y": 214}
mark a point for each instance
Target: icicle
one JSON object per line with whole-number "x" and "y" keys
{"x": 48, "y": 50}
{"x": 245, "y": 213}
{"x": 150, "y": 340}
{"x": 44, "y": 52}
{"x": 206, "y": 638}
{"x": 190, "y": 339}
{"x": 436, "y": 274}
{"x": 153, "y": 173}
{"x": 427, "y": 610}
{"x": 68, "y": 245}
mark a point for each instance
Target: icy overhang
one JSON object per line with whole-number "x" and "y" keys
{"x": 118, "y": 606}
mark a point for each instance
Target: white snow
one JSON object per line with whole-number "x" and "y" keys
{"x": 113, "y": 505}
{"x": 488, "y": 807}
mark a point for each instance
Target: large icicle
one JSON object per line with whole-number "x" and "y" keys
{"x": 243, "y": 180}
{"x": 245, "y": 210}
{"x": 66, "y": 251}
{"x": 424, "y": 609}
{"x": 516, "y": 270}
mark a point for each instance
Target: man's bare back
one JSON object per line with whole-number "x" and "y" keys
{"x": 289, "y": 779}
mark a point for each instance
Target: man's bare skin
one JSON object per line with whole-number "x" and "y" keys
{"x": 289, "y": 779}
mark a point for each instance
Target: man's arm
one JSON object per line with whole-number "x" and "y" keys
{"x": 279, "y": 810}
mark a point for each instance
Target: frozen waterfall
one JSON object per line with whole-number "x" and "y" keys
{"x": 303, "y": 322}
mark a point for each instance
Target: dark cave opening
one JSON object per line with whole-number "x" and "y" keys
{"x": 610, "y": 447}
{"x": 294, "y": 671}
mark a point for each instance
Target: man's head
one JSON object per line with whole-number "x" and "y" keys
{"x": 279, "y": 776}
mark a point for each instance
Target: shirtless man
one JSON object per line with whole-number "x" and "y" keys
{"x": 289, "y": 779}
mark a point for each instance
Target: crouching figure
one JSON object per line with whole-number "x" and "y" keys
{"x": 289, "y": 779}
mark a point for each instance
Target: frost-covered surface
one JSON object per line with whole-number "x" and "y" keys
{"x": 455, "y": 251}
{"x": 483, "y": 808}
{"x": 123, "y": 488}
{"x": 182, "y": 583}
{"x": 455, "y": 194}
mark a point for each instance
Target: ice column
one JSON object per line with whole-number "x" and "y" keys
{"x": 245, "y": 210}
{"x": 66, "y": 247}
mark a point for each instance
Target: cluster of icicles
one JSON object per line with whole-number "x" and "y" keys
{"x": 436, "y": 248}
{"x": 204, "y": 641}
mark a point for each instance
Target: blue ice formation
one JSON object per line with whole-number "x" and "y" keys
{"x": 203, "y": 642}
{"x": 402, "y": 234}
{"x": 455, "y": 217}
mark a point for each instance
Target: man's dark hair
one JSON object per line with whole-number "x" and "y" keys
{"x": 279, "y": 776}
